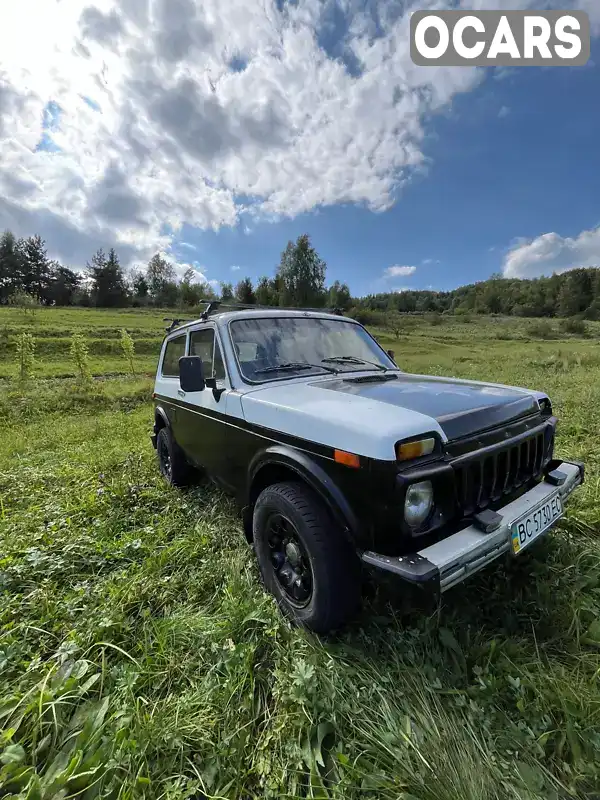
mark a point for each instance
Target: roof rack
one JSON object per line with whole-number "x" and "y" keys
{"x": 174, "y": 323}
{"x": 214, "y": 304}
{"x": 211, "y": 306}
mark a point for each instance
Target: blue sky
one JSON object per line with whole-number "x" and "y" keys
{"x": 214, "y": 131}
{"x": 517, "y": 157}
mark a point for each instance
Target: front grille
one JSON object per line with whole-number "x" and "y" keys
{"x": 497, "y": 474}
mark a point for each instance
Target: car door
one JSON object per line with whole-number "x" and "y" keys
{"x": 167, "y": 387}
{"x": 205, "y": 429}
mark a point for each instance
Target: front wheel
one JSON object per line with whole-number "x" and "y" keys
{"x": 304, "y": 558}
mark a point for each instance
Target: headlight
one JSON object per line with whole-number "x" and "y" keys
{"x": 418, "y": 503}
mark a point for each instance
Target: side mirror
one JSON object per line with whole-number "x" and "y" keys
{"x": 191, "y": 374}
{"x": 391, "y": 355}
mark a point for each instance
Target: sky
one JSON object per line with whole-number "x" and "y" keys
{"x": 214, "y": 131}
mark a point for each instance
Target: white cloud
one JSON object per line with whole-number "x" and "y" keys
{"x": 179, "y": 269}
{"x": 593, "y": 9}
{"x": 503, "y": 112}
{"x": 235, "y": 268}
{"x": 552, "y": 253}
{"x": 204, "y": 112}
{"x": 397, "y": 271}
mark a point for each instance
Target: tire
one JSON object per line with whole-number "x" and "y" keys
{"x": 171, "y": 462}
{"x": 331, "y": 595}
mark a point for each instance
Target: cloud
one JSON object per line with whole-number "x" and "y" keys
{"x": 180, "y": 269}
{"x": 397, "y": 271}
{"x": 593, "y": 9}
{"x": 551, "y": 253}
{"x": 235, "y": 268}
{"x": 503, "y": 112}
{"x": 208, "y": 113}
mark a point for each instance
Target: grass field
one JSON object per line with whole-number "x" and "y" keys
{"x": 140, "y": 658}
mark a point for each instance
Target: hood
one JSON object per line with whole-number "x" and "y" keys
{"x": 368, "y": 417}
{"x": 460, "y": 408}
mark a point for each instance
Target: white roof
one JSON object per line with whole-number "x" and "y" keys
{"x": 223, "y": 317}
{"x": 249, "y": 313}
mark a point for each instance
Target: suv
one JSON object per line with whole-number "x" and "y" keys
{"x": 339, "y": 460}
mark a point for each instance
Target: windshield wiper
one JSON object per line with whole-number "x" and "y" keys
{"x": 294, "y": 365}
{"x": 355, "y": 360}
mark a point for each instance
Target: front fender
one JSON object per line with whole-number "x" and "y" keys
{"x": 312, "y": 473}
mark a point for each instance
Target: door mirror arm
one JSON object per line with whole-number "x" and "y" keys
{"x": 211, "y": 383}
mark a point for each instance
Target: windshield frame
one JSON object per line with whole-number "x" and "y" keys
{"x": 270, "y": 377}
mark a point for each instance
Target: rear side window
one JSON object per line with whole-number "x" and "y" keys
{"x": 174, "y": 350}
{"x": 204, "y": 344}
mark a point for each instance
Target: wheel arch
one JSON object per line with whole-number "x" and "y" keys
{"x": 280, "y": 463}
{"x": 161, "y": 419}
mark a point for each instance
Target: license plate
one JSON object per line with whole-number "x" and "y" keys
{"x": 526, "y": 530}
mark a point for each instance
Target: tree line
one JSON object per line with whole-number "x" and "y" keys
{"x": 28, "y": 274}
{"x": 571, "y": 294}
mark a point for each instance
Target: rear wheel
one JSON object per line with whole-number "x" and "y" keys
{"x": 171, "y": 461}
{"x": 304, "y": 558}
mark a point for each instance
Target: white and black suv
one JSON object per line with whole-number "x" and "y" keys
{"x": 339, "y": 460}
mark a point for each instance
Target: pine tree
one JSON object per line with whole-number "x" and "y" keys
{"x": 64, "y": 285}
{"x": 139, "y": 284}
{"x": 109, "y": 289}
{"x": 37, "y": 268}
{"x": 11, "y": 265}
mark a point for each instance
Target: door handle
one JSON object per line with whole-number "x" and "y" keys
{"x": 180, "y": 392}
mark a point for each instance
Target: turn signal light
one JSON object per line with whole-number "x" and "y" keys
{"x": 408, "y": 450}
{"x": 347, "y": 459}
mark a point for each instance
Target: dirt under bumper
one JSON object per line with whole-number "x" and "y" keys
{"x": 453, "y": 559}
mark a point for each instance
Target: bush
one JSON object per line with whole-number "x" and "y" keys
{"x": 434, "y": 318}
{"x": 25, "y": 358}
{"x": 504, "y": 333}
{"x": 575, "y": 326}
{"x": 28, "y": 303}
{"x": 464, "y": 317}
{"x": 79, "y": 354}
{"x": 541, "y": 329}
{"x": 128, "y": 348}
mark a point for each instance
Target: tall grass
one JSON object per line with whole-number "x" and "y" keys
{"x": 139, "y": 656}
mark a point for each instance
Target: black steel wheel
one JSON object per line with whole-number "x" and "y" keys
{"x": 171, "y": 461}
{"x": 305, "y": 560}
{"x": 290, "y": 560}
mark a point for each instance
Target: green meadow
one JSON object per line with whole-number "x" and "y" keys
{"x": 140, "y": 658}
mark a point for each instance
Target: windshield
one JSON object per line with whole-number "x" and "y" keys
{"x": 272, "y": 348}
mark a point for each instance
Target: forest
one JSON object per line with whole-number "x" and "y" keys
{"x": 29, "y": 277}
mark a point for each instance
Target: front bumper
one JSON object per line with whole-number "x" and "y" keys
{"x": 453, "y": 559}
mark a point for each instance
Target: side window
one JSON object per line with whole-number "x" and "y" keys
{"x": 174, "y": 350}
{"x": 204, "y": 344}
